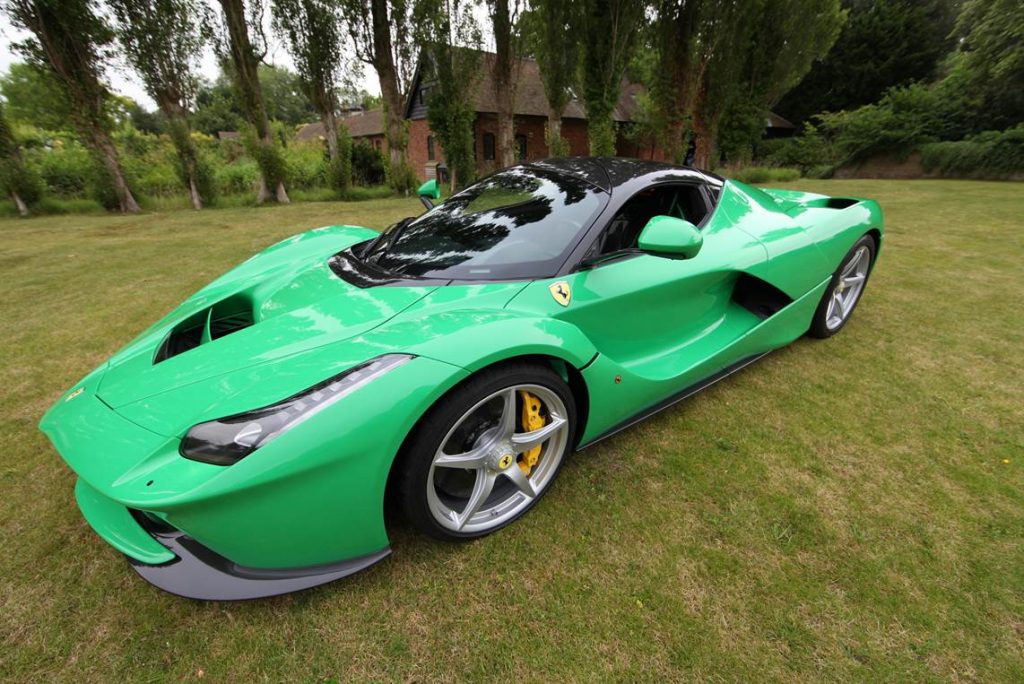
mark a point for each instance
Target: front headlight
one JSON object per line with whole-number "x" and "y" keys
{"x": 229, "y": 440}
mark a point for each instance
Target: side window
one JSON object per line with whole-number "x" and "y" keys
{"x": 623, "y": 231}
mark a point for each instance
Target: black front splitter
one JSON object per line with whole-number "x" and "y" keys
{"x": 199, "y": 573}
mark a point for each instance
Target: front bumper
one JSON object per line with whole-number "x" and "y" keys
{"x": 171, "y": 560}
{"x": 305, "y": 509}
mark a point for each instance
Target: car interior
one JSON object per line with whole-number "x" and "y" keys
{"x": 623, "y": 231}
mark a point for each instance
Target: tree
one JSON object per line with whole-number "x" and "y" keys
{"x": 16, "y": 180}
{"x": 450, "y": 36}
{"x": 285, "y": 96}
{"x": 548, "y": 31}
{"x": 69, "y": 39}
{"x": 607, "y": 31}
{"x": 310, "y": 29}
{"x": 715, "y": 58}
{"x": 34, "y": 96}
{"x": 504, "y": 16}
{"x": 216, "y": 107}
{"x": 992, "y": 53}
{"x": 381, "y": 32}
{"x": 883, "y": 44}
{"x": 162, "y": 40}
{"x": 244, "y": 57}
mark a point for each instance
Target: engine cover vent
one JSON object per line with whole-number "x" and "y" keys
{"x": 223, "y": 318}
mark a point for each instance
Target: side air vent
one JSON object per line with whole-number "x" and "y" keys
{"x": 223, "y": 318}
{"x": 762, "y": 299}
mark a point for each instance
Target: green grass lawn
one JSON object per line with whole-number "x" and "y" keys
{"x": 846, "y": 509}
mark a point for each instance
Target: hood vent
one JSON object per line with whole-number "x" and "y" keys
{"x": 223, "y": 318}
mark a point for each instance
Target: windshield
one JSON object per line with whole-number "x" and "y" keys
{"x": 520, "y": 223}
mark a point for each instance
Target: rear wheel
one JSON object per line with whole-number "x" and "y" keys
{"x": 487, "y": 452}
{"x": 845, "y": 289}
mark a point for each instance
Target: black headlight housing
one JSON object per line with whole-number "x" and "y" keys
{"x": 226, "y": 441}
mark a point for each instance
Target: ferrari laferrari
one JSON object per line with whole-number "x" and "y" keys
{"x": 246, "y": 444}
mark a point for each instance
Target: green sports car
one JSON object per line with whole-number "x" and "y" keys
{"x": 245, "y": 444}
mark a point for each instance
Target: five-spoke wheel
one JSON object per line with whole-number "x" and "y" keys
{"x": 845, "y": 289}
{"x": 495, "y": 445}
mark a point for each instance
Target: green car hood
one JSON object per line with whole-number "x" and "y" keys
{"x": 284, "y": 302}
{"x": 307, "y": 325}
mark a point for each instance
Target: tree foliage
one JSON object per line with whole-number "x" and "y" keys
{"x": 607, "y": 30}
{"x": 715, "y": 62}
{"x": 450, "y": 34}
{"x": 992, "y": 54}
{"x": 71, "y": 41}
{"x": 548, "y": 34}
{"x": 34, "y": 96}
{"x": 162, "y": 40}
{"x": 883, "y": 44}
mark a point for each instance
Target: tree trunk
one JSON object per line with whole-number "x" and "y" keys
{"x": 108, "y": 154}
{"x": 503, "y": 78}
{"x": 554, "y": 132}
{"x": 181, "y": 137}
{"x": 19, "y": 203}
{"x": 330, "y": 123}
{"x": 246, "y": 63}
{"x": 704, "y": 142}
{"x": 193, "y": 193}
{"x": 384, "y": 64}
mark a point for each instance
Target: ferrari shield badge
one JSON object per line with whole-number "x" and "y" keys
{"x": 561, "y": 292}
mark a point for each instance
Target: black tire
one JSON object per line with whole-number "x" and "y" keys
{"x": 412, "y": 472}
{"x": 819, "y": 324}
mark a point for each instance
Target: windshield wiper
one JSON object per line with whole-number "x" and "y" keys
{"x": 391, "y": 235}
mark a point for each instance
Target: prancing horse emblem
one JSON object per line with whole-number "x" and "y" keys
{"x": 561, "y": 292}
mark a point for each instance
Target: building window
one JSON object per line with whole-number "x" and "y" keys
{"x": 488, "y": 146}
{"x": 430, "y": 147}
{"x": 521, "y": 147}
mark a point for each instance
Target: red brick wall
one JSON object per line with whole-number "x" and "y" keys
{"x": 533, "y": 127}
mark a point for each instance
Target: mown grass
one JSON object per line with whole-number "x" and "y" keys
{"x": 851, "y": 509}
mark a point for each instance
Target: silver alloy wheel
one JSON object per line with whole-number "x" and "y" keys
{"x": 849, "y": 288}
{"x": 500, "y": 489}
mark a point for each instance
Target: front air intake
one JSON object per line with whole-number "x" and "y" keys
{"x": 223, "y": 318}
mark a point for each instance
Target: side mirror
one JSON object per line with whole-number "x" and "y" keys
{"x": 428, "y": 192}
{"x": 669, "y": 236}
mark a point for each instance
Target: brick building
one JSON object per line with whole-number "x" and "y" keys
{"x": 531, "y": 109}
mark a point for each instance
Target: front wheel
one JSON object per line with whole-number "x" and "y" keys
{"x": 487, "y": 452}
{"x": 845, "y": 289}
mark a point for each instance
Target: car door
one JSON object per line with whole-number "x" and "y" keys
{"x": 660, "y": 317}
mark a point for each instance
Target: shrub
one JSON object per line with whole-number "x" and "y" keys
{"x": 238, "y": 178}
{"x": 806, "y": 151}
{"x": 306, "y": 166}
{"x": 761, "y": 174}
{"x": 991, "y": 154}
{"x": 368, "y": 165}
{"x": 65, "y": 167}
{"x": 341, "y": 169}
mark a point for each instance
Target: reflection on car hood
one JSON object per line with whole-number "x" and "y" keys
{"x": 282, "y": 302}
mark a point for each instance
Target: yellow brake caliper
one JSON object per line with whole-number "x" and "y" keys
{"x": 531, "y": 420}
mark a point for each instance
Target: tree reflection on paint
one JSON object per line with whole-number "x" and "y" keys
{"x": 519, "y": 223}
